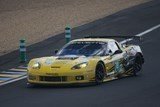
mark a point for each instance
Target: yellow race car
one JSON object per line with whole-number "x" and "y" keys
{"x": 91, "y": 59}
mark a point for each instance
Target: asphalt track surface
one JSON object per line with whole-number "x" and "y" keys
{"x": 140, "y": 91}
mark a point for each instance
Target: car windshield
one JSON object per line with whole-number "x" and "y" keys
{"x": 87, "y": 48}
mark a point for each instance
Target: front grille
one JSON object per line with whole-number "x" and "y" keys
{"x": 53, "y": 79}
{"x": 31, "y": 77}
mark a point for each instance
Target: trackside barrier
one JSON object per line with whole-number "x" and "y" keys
{"x": 67, "y": 34}
{"x": 22, "y": 49}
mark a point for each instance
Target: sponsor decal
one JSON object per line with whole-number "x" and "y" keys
{"x": 117, "y": 66}
{"x": 53, "y": 74}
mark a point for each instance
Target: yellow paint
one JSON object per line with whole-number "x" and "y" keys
{"x": 58, "y": 67}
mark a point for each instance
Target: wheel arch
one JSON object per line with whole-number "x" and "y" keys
{"x": 139, "y": 56}
{"x": 100, "y": 61}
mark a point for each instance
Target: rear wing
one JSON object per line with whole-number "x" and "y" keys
{"x": 127, "y": 38}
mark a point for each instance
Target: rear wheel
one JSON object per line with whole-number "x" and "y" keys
{"x": 137, "y": 67}
{"x": 100, "y": 73}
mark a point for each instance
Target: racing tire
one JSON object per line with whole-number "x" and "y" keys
{"x": 137, "y": 66}
{"x": 119, "y": 76}
{"x": 99, "y": 73}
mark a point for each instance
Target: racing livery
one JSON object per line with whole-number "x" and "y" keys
{"x": 87, "y": 60}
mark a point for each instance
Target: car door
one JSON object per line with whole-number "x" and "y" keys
{"x": 114, "y": 65}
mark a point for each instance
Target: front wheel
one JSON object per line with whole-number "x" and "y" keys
{"x": 99, "y": 73}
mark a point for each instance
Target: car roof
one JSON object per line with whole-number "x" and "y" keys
{"x": 94, "y": 39}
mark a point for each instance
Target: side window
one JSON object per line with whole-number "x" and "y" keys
{"x": 117, "y": 45}
{"x": 113, "y": 46}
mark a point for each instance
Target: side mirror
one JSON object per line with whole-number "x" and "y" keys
{"x": 56, "y": 51}
{"x": 110, "y": 52}
{"x": 118, "y": 51}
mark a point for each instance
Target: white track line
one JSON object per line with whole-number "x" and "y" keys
{"x": 13, "y": 80}
{"x": 149, "y": 30}
{"x": 22, "y": 67}
{"x": 142, "y": 33}
{"x": 15, "y": 69}
{"x": 139, "y": 35}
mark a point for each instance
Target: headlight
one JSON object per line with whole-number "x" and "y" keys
{"x": 37, "y": 65}
{"x": 79, "y": 66}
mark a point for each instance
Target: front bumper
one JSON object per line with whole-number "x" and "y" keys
{"x": 61, "y": 78}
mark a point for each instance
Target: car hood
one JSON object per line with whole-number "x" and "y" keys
{"x": 61, "y": 61}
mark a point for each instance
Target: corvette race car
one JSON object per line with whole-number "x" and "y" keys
{"x": 91, "y": 59}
